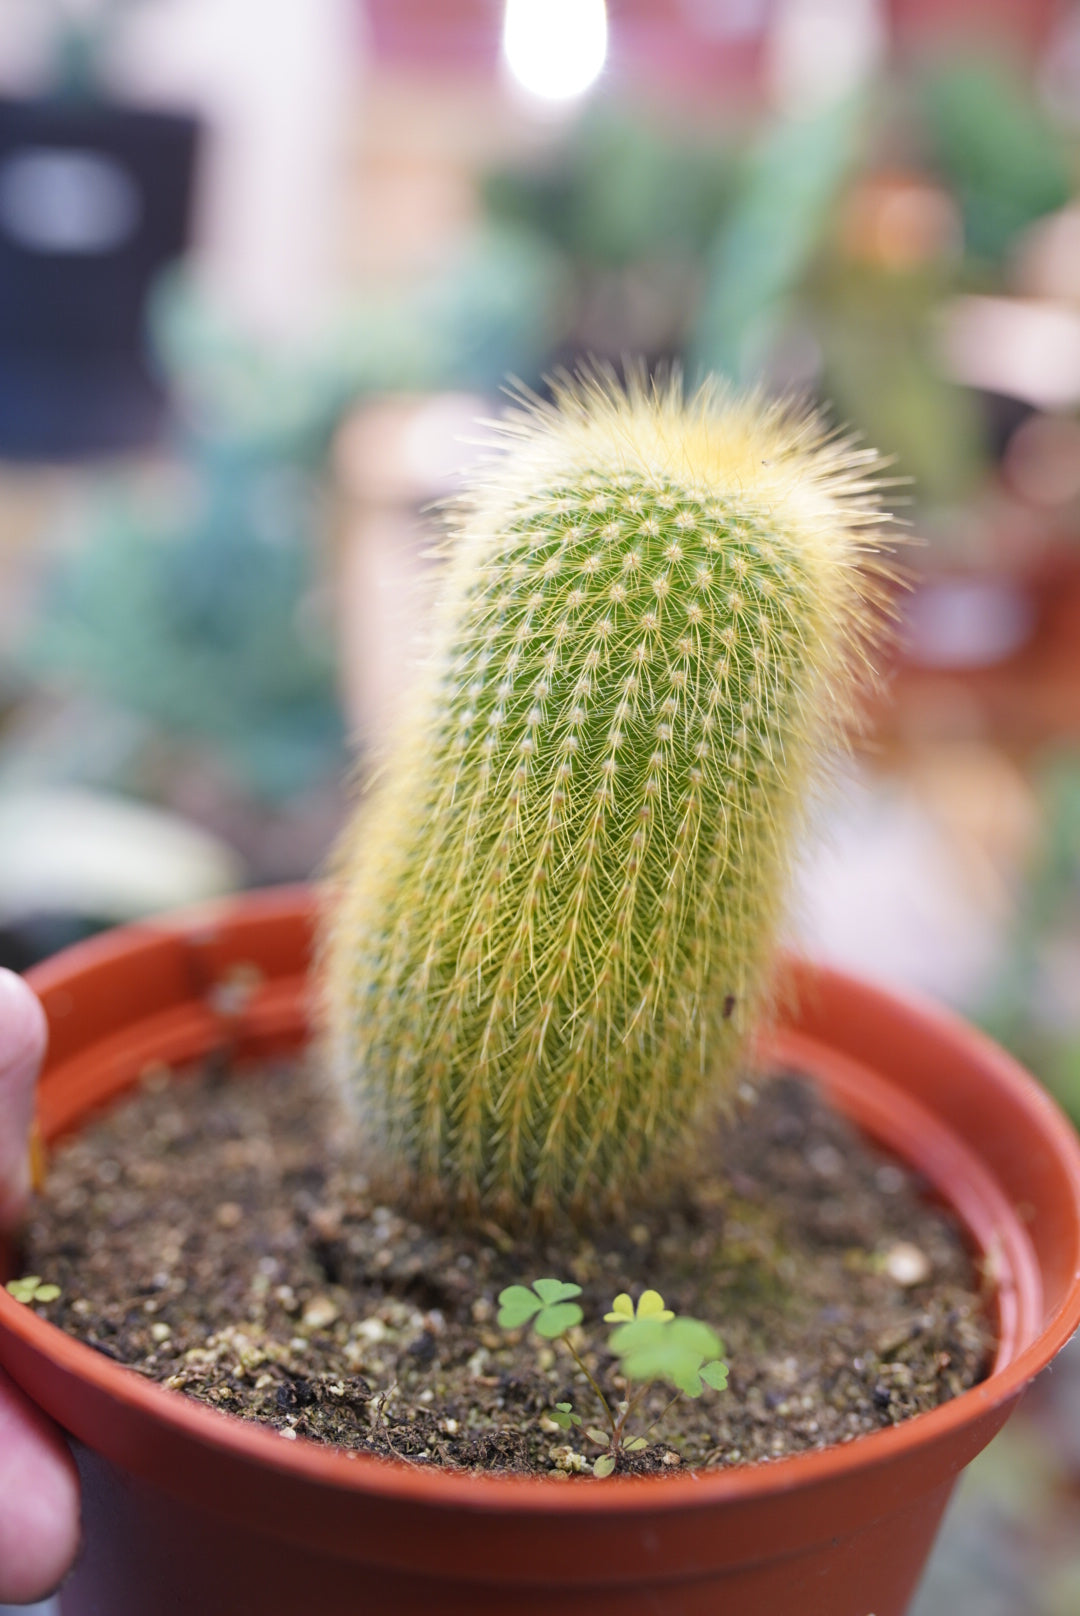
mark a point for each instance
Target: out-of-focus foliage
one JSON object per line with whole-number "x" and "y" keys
{"x": 493, "y": 308}
{"x": 621, "y": 190}
{"x": 626, "y": 205}
{"x": 876, "y": 331}
{"x": 781, "y": 205}
{"x": 732, "y": 247}
{"x": 999, "y": 150}
{"x": 191, "y": 612}
{"x": 497, "y": 309}
{"x": 189, "y": 604}
{"x": 279, "y": 400}
{"x": 197, "y": 608}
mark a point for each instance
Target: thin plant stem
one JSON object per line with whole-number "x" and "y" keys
{"x": 603, "y": 1400}
{"x": 663, "y": 1412}
{"x": 631, "y": 1405}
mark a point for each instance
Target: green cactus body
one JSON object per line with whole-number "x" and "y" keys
{"x": 554, "y": 919}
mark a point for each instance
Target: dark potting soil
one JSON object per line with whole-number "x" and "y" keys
{"x": 211, "y": 1235}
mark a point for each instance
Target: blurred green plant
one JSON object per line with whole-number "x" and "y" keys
{"x": 198, "y": 607}
{"x": 492, "y": 307}
{"x": 194, "y": 611}
{"x": 727, "y": 247}
{"x": 997, "y": 147}
{"x": 877, "y": 335}
{"x": 780, "y": 209}
{"x": 630, "y": 206}
{"x": 621, "y": 189}
{"x": 495, "y": 306}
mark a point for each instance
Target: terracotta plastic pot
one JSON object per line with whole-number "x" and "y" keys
{"x": 189, "y": 1511}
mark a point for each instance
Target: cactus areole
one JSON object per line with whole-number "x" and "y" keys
{"x": 554, "y": 917}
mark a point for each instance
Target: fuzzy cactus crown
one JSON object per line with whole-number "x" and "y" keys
{"x": 553, "y": 919}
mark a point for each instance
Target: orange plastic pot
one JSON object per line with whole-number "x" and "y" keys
{"x": 191, "y": 1513}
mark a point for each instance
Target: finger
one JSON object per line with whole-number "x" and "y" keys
{"x": 22, "y": 1049}
{"x": 39, "y": 1501}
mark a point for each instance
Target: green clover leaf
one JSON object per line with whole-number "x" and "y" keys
{"x": 651, "y": 1306}
{"x": 675, "y": 1350}
{"x": 551, "y": 1291}
{"x": 546, "y": 1303}
{"x": 715, "y": 1374}
{"x": 517, "y": 1304}
{"x": 564, "y": 1416}
{"x": 30, "y": 1289}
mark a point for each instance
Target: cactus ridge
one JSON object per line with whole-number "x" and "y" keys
{"x": 555, "y": 917}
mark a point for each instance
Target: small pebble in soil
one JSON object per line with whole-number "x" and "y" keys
{"x": 907, "y": 1264}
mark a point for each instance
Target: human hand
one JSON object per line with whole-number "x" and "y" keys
{"x": 39, "y": 1490}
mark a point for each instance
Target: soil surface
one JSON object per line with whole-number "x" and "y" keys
{"x": 211, "y": 1234}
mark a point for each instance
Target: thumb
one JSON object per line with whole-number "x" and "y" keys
{"x": 22, "y": 1048}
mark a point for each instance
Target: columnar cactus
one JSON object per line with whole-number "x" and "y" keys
{"x": 553, "y": 922}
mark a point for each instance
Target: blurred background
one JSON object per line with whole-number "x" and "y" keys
{"x": 262, "y": 266}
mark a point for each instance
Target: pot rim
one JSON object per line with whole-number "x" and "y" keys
{"x": 367, "y": 1474}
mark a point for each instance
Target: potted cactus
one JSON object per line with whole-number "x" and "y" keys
{"x": 557, "y": 921}
{"x": 547, "y": 951}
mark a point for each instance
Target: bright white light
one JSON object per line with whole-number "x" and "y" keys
{"x": 555, "y": 48}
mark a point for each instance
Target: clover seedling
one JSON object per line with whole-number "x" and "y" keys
{"x": 684, "y": 1352}
{"x": 650, "y": 1343}
{"x": 650, "y": 1306}
{"x": 547, "y": 1303}
{"x": 31, "y": 1289}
